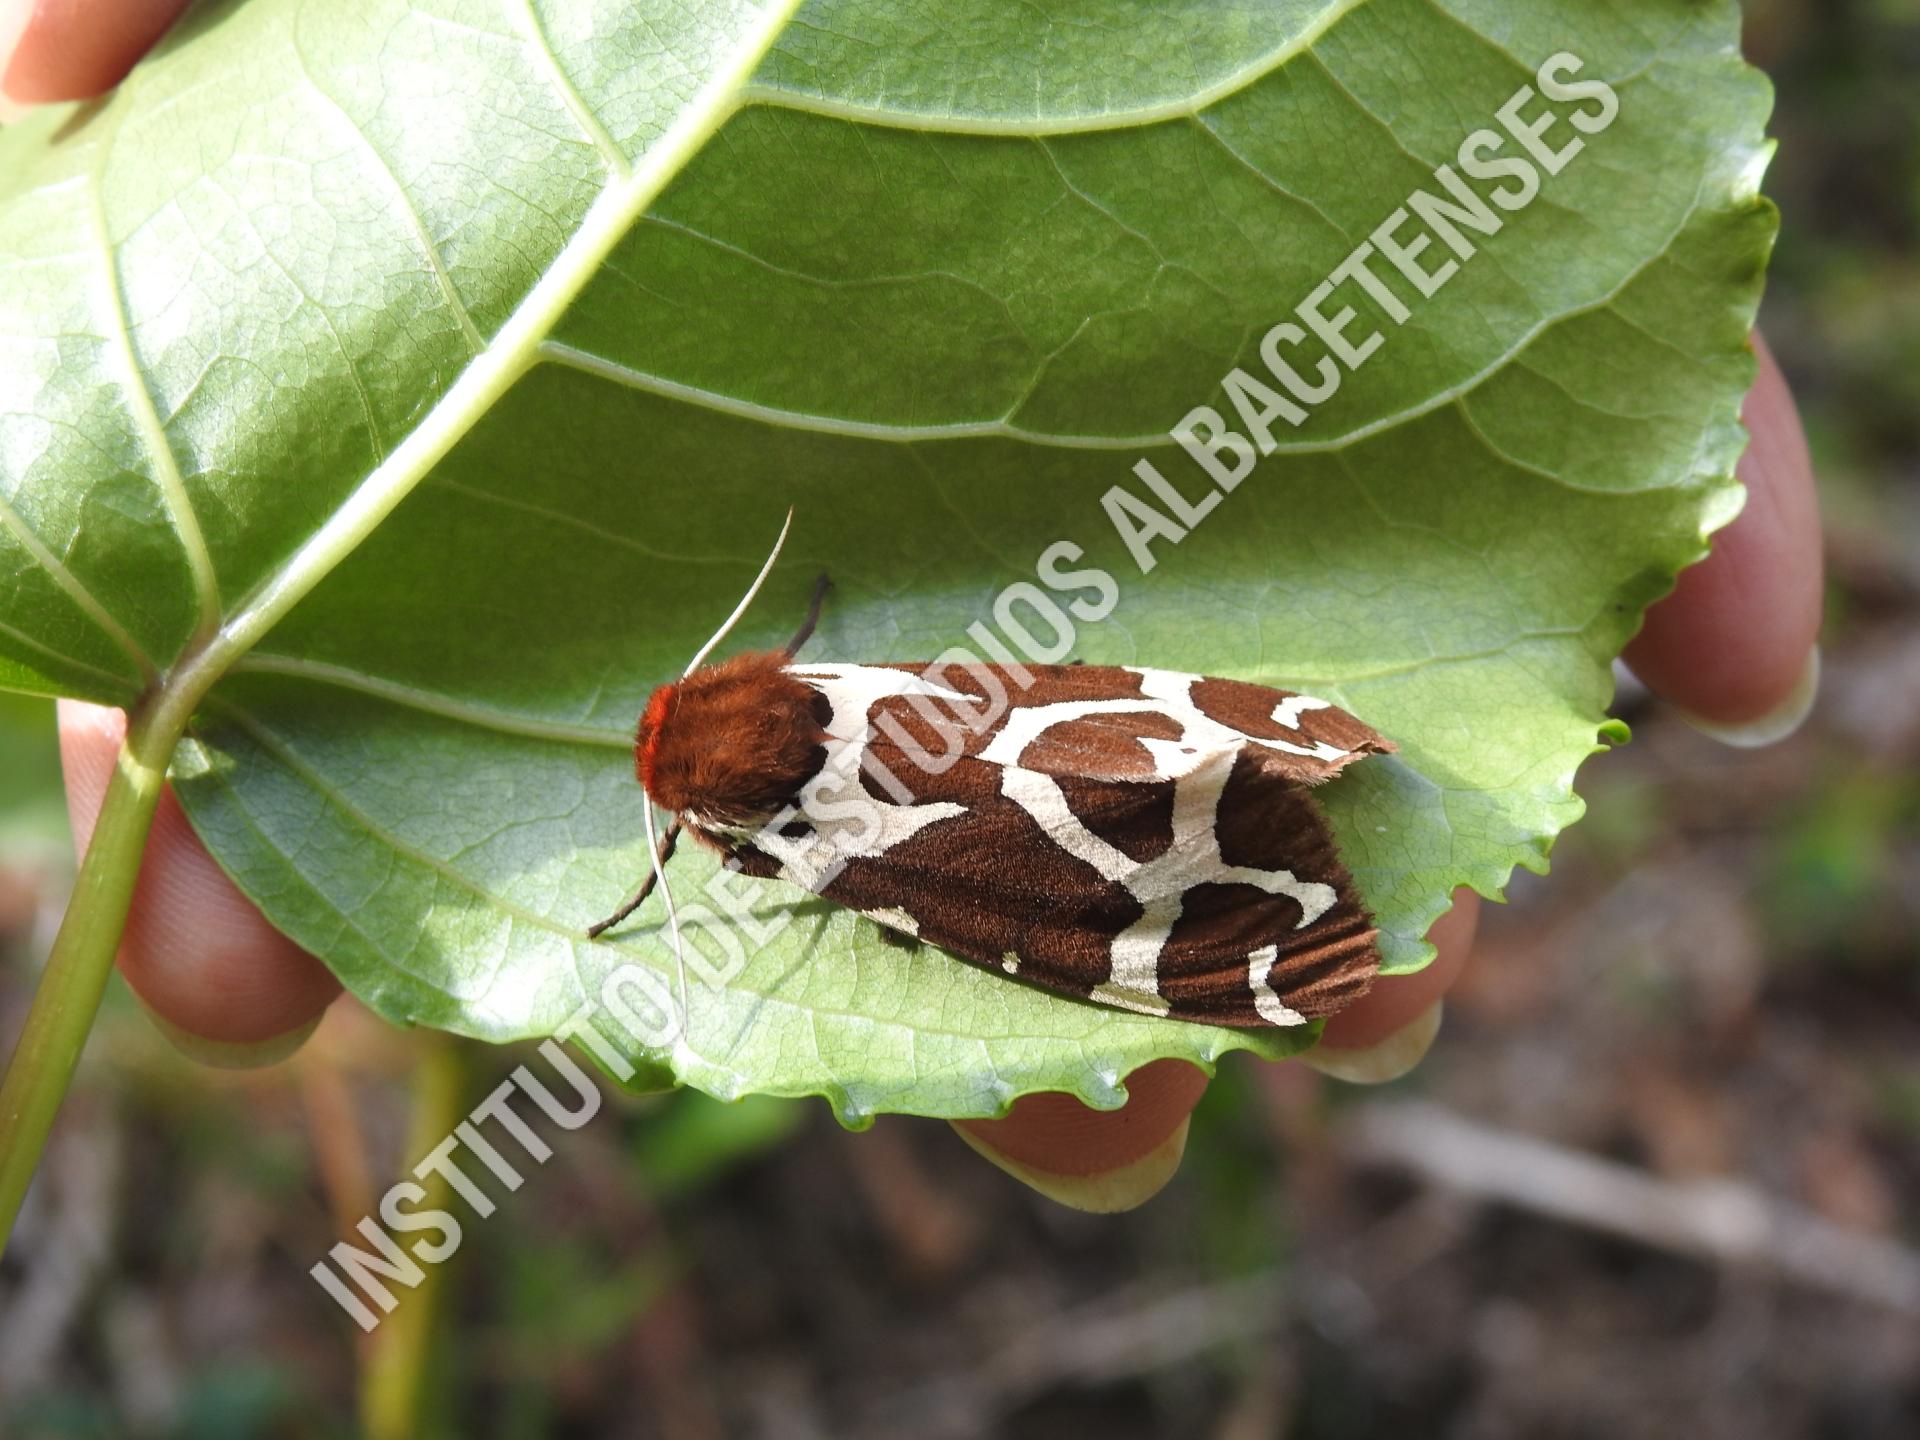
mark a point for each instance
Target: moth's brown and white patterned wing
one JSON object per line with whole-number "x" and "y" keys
{"x": 1102, "y": 840}
{"x": 1114, "y": 721}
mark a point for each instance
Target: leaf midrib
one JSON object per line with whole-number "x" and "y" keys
{"x": 512, "y": 351}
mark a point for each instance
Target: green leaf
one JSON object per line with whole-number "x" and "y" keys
{"x": 354, "y": 392}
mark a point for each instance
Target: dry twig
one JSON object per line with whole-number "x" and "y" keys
{"x": 1721, "y": 1221}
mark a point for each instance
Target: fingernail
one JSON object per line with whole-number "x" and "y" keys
{"x": 1392, "y": 1058}
{"x": 1777, "y": 724}
{"x": 1108, "y": 1193}
{"x": 235, "y": 1054}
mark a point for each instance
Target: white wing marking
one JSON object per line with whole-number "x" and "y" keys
{"x": 894, "y": 920}
{"x": 1266, "y": 999}
{"x": 1289, "y": 710}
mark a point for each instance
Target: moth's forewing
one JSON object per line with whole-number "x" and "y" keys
{"x": 1139, "y": 838}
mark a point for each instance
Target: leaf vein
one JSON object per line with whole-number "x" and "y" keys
{"x": 403, "y": 204}
{"x": 481, "y": 717}
{"x": 1184, "y": 108}
{"x": 892, "y": 433}
{"x": 583, "y": 116}
{"x": 70, "y": 584}
{"x": 164, "y": 464}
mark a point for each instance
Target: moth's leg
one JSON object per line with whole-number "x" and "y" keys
{"x": 899, "y": 939}
{"x": 667, "y": 842}
{"x": 820, "y": 588}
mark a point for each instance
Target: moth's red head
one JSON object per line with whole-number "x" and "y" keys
{"x": 732, "y": 741}
{"x": 646, "y": 743}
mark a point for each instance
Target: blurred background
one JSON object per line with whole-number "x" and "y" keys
{"x": 1660, "y": 1176}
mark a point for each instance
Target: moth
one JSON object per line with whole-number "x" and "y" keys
{"x": 1141, "y": 838}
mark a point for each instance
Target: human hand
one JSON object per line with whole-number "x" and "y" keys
{"x": 1733, "y": 647}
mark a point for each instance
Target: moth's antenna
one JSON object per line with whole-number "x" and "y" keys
{"x": 745, "y": 600}
{"x": 659, "y": 852}
{"x": 639, "y": 897}
{"x": 673, "y": 922}
{"x": 820, "y": 588}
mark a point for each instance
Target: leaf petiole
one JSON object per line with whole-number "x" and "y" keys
{"x": 76, "y": 974}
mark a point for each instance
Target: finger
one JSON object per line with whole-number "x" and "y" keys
{"x": 198, "y": 953}
{"x": 1398, "y": 1001}
{"x": 1389, "y": 1031}
{"x": 72, "y": 49}
{"x": 1097, "y": 1160}
{"x": 1733, "y": 646}
{"x": 1105, "y": 1160}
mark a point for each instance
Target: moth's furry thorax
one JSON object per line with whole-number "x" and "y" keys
{"x": 732, "y": 742}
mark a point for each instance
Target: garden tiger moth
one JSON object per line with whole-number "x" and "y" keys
{"x": 1142, "y": 838}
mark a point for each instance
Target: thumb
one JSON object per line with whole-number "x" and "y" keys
{"x": 72, "y": 49}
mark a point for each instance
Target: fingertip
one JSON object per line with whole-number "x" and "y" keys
{"x": 1099, "y": 1160}
{"x": 199, "y": 955}
{"x": 1731, "y": 645}
{"x": 1774, "y": 725}
{"x": 54, "y": 50}
{"x": 1057, "y": 1133}
{"x": 202, "y": 956}
{"x": 1397, "y": 1002}
{"x": 236, "y": 1054}
{"x": 1392, "y": 1058}
{"x": 1108, "y": 1192}
{"x": 14, "y": 15}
